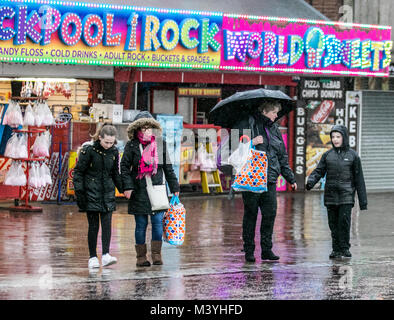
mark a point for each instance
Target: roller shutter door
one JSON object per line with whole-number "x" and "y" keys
{"x": 377, "y": 139}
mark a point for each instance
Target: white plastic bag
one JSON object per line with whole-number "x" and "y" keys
{"x": 16, "y": 147}
{"x": 15, "y": 175}
{"x": 28, "y": 119}
{"x": 239, "y": 157}
{"x": 34, "y": 178}
{"x": 13, "y": 116}
{"x": 47, "y": 117}
{"x": 206, "y": 160}
{"x": 45, "y": 174}
{"x": 10, "y": 148}
{"x": 41, "y": 146}
{"x": 22, "y": 147}
{"x": 37, "y": 114}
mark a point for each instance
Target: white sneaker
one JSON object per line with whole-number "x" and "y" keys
{"x": 107, "y": 260}
{"x": 94, "y": 263}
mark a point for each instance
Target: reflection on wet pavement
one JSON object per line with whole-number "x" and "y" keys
{"x": 44, "y": 255}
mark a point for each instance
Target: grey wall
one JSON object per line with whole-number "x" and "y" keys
{"x": 276, "y": 8}
{"x": 374, "y": 12}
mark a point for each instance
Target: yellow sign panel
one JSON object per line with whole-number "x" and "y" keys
{"x": 200, "y": 92}
{"x": 72, "y": 161}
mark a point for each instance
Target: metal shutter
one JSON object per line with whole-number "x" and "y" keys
{"x": 377, "y": 139}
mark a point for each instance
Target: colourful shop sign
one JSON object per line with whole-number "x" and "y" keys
{"x": 64, "y": 32}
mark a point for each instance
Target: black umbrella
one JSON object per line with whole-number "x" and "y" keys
{"x": 230, "y": 110}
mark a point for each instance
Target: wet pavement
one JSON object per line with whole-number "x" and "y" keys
{"x": 45, "y": 255}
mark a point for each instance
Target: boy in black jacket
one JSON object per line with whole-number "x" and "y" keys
{"x": 344, "y": 177}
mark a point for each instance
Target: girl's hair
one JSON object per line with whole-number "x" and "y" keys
{"x": 105, "y": 129}
{"x": 268, "y": 106}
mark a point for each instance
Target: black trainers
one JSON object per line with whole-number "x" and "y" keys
{"x": 346, "y": 253}
{"x": 335, "y": 255}
{"x": 249, "y": 257}
{"x": 268, "y": 255}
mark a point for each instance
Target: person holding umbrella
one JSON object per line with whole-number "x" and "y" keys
{"x": 258, "y": 110}
{"x": 267, "y": 137}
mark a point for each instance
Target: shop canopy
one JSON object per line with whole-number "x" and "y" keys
{"x": 225, "y": 36}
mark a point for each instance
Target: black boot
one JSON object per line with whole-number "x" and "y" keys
{"x": 249, "y": 257}
{"x": 346, "y": 253}
{"x": 335, "y": 255}
{"x": 268, "y": 255}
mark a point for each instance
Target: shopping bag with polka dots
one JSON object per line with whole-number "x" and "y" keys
{"x": 253, "y": 174}
{"x": 174, "y": 223}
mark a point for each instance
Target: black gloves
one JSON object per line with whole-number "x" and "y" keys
{"x": 81, "y": 202}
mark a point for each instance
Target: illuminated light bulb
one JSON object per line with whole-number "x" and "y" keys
{"x": 207, "y": 34}
{"x": 269, "y": 56}
{"x": 95, "y": 21}
{"x": 6, "y": 33}
{"x": 366, "y": 62}
{"x": 282, "y": 58}
{"x": 109, "y": 38}
{"x": 25, "y": 26}
{"x": 255, "y": 45}
{"x": 76, "y": 32}
{"x": 387, "y": 46}
{"x": 356, "y": 54}
{"x": 150, "y": 25}
{"x": 185, "y": 27}
{"x": 171, "y": 26}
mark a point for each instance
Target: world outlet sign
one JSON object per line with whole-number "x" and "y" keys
{"x": 64, "y": 32}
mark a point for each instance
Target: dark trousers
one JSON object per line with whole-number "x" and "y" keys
{"x": 266, "y": 201}
{"x": 94, "y": 224}
{"x": 339, "y": 220}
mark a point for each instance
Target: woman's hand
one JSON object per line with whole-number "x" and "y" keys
{"x": 294, "y": 186}
{"x": 176, "y": 193}
{"x": 127, "y": 193}
{"x": 257, "y": 140}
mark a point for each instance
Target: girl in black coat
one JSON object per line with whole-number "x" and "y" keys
{"x": 344, "y": 177}
{"x": 95, "y": 177}
{"x": 153, "y": 162}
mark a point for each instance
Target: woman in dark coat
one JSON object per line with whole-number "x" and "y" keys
{"x": 95, "y": 177}
{"x": 344, "y": 177}
{"x": 267, "y": 137}
{"x": 153, "y": 162}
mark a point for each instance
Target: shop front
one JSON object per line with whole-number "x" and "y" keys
{"x": 180, "y": 63}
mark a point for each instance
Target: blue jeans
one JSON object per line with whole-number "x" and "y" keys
{"x": 141, "y": 223}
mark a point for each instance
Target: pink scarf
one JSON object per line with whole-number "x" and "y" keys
{"x": 149, "y": 158}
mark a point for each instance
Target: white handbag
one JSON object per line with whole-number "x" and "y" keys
{"x": 157, "y": 193}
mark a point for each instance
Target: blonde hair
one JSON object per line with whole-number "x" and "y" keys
{"x": 268, "y": 106}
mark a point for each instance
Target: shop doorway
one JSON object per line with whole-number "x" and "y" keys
{"x": 204, "y": 106}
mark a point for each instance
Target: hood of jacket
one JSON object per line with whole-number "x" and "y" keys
{"x": 345, "y": 135}
{"x": 144, "y": 118}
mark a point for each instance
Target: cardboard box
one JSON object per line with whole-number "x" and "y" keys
{"x": 77, "y": 108}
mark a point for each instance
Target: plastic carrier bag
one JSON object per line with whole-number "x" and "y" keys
{"x": 253, "y": 174}
{"x": 239, "y": 157}
{"x": 174, "y": 223}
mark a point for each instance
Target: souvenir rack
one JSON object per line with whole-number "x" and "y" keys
{"x": 30, "y": 131}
